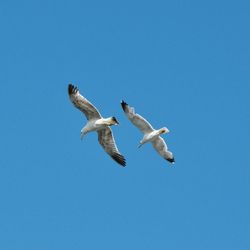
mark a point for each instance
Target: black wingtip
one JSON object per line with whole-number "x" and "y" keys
{"x": 124, "y": 104}
{"x": 72, "y": 89}
{"x": 119, "y": 159}
{"x": 123, "y": 164}
{"x": 172, "y": 160}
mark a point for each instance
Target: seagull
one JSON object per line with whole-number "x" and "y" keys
{"x": 150, "y": 134}
{"x": 97, "y": 123}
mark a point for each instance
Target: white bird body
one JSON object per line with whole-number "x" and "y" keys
{"x": 97, "y": 123}
{"x": 150, "y": 134}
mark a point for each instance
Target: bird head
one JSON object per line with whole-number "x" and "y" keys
{"x": 114, "y": 121}
{"x": 164, "y": 130}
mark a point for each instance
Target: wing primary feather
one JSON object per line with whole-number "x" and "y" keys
{"x": 161, "y": 147}
{"x": 140, "y": 122}
{"x": 72, "y": 89}
{"x": 107, "y": 141}
{"x": 82, "y": 103}
{"x": 172, "y": 160}
{"x": 119, "y": 159}
{"x": 124, "y": 105}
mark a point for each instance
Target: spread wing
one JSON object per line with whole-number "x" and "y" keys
{"x": 107, "y": 141}
{"x": 82, "y": 103}
{"x": 136, "y": 119}
{"x": 161, "y": 147}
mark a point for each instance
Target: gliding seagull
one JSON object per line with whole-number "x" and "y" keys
{"x": 97, "y": 123}
{"x": 150, "y": 134}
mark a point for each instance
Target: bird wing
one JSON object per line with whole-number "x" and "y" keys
{"x": 161, "y": 147}
{"x": 106, "y": 139}
{"x": 136, "y": 119}
{"x": 82, "y": 103}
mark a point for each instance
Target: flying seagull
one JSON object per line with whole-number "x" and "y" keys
{"x": 97, "y": 123}
{"x": 150, "y": 134}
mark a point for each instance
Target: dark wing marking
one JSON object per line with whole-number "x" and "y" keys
{"x": 161, "y": 147}
{"x": 136, "y": 119}
{"x": 106, "y": 139}
{"x": 82, "y": 103}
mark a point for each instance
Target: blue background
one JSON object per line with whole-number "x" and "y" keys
{"x": 182, "y": 64}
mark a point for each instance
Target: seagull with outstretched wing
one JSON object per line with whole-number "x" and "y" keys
{"x": 150, "y": 134}
{"x": 97, "y": 123}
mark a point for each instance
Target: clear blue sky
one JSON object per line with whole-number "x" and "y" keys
{"x": 182, "y": 64}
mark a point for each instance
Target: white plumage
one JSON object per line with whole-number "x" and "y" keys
{"x": 97, "y": 123}
{"x": 150, "y": 134}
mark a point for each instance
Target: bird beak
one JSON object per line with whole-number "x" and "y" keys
{"x": 139, "y": 145}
